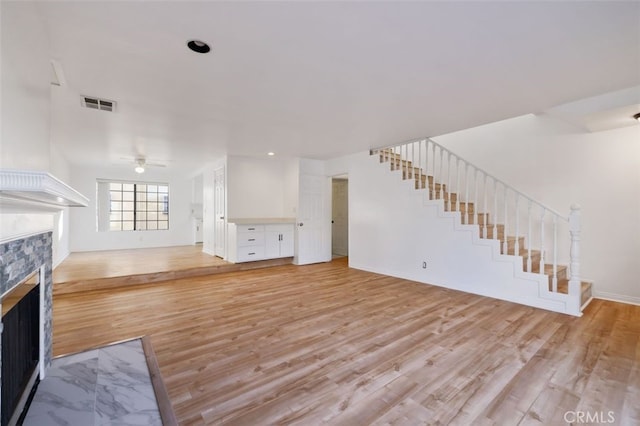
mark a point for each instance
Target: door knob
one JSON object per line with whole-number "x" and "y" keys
{"x": 301, "y": 224}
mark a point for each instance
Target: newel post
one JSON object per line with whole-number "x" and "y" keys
{"x": 575, "y": 288}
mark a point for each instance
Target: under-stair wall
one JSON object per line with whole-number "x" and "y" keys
{"x": 396, "y": 230}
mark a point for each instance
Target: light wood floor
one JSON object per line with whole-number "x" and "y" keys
{"x": 117, "y": 263}
{"x": 324, "y": 344}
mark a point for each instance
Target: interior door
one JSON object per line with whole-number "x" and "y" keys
{"x": 313, "y": 234}
{"x": 220, "y": 226}
{"x": 340, "y": 217}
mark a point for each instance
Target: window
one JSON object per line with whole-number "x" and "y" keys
{"x": 133, "y": 206}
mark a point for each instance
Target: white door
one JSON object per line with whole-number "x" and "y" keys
{"x": 313, "y": 224}
{"x": 340, "y": 217}
{"x": 220, "y": 230}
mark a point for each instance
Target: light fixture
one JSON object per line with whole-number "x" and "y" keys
{"x": 637, "y": 116}
{"x": 139, "y": 166}
{"x": 271, "y": 154}
{"x": 198, "y": 46}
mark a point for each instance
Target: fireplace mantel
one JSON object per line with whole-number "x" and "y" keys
{"x": 27, "y": 191}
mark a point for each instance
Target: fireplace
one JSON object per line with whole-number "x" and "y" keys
{"x": 20, "y": 346}
{"x": 25, "y": 286}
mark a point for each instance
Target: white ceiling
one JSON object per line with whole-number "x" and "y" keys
{"x": 320, "y": 79}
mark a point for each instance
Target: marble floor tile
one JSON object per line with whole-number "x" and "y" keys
{"x": 106, "y": 386}
{"x": 66, "y": 396}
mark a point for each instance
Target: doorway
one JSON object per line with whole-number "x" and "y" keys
{"x": 340, "y": 216}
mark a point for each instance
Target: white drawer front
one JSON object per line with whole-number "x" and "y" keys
{"x": 250, "y": 239}
{"x": 249, "y": 228}
{"x": 247, "y": 254}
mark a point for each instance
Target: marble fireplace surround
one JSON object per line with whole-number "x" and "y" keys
{"x": 18, "y": 259}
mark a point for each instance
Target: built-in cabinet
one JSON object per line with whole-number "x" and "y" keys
{"x": 278, "y": 241}
{"x": 259, "y": 241}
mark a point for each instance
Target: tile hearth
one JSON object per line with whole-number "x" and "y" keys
{"x": 106, "y": 386}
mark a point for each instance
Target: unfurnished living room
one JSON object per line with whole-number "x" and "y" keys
{"x": 310, "y": 212}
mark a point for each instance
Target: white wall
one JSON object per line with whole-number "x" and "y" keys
{"x": 25, "y": 118}
{"x": 25, "y": 88}
{"x": 84, "y": 234}
{"x": 291, "y": 170}
{"x": 560, "y": 164}
{"x": 392, "y": 231}
{"x": 14, "y": 225}
{"x": 59, "y": 167}
{"x": 261, "y": 187}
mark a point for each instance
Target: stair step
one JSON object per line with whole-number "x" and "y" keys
{"x": 511, "y": 245}
{"x": 476, "y": 219}
{"x": 461, "y": 207}
{"x": 438, "y": 194}
{"x": 385, "y": 155}
{"x": 585, "y": 289}
{"x": 410, "y": 173}
{"x": 401, "y": 164}
{"x": 561, "y": 272}
{"x": 490, "y": 234}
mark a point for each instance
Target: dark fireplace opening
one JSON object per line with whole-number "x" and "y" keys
{"x": 20, "y": 346}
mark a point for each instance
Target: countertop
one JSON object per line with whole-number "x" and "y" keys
{"x": 262, "y": 221}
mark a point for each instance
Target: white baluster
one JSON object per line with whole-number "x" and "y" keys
{"x": 516, "y": 249}
{"x": 542, "y": 240}
{"x": 465, "y": 216}
{"x": 485, "y": 204}
{"x": 506, "y": 225}
{"x": 458, "y": 192}
{"x": 529, "y": 240}
{"x": 426, "y": 165}
{"x": 441, "y": 178}
{"x": 575, "y": 288}
{"x": 433, "y": 172}
{"x": 475, "y": 194}
{"x": 414, "y": 154}
{"x": 495, "y": 211}
{"x": 405, "y": 167}
{"x": 402, "y": 159}
{"x": 420, "y": 161}
{"x": 392, "y": 158}
{"x": 447, "y": 200}
{"x": 554, "y": 279}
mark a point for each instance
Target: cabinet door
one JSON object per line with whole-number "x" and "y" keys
{"x": 286, "y": 244}
{"x": 271, "y": 244}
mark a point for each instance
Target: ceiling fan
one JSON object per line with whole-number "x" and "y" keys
{"x": 141, "y": 164}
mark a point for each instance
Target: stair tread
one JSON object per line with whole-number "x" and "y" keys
{"x": 586, "y": 289}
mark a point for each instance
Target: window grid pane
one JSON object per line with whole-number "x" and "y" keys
{"x": 138, "y": 206}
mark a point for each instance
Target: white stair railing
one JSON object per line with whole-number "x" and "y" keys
{"x": 446, "y": 173}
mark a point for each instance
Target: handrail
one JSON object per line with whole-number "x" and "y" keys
{"x": 511, "y": 188}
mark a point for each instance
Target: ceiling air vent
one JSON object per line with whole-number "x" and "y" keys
{"x": 100, "y": 104}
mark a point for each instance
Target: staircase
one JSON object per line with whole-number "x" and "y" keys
{"x": 498, "y": 212}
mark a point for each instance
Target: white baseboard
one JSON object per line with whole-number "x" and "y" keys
{"x": 632, "y": 300}
{"x": 62, "y": 259}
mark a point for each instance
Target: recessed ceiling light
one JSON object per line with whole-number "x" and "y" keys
{"x": 637, "y": 116}
{"x": 271, "y": 154}
{"x": 198, "y": 46}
